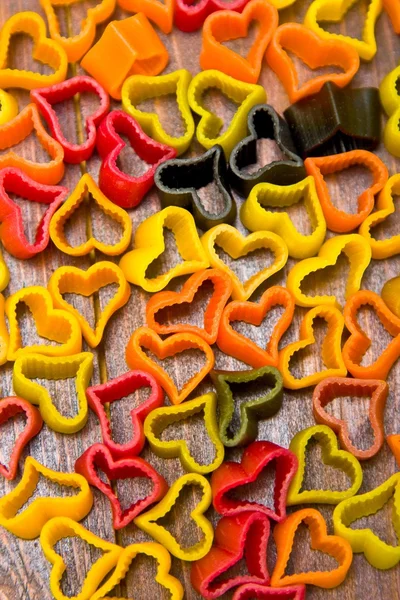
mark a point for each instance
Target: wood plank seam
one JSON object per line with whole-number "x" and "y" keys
{"x": 92, "y": 256}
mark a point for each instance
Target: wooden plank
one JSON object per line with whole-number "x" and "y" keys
{"x": 23, "y": 570}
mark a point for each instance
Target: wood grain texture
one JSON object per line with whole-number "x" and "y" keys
{"x": 24, "y": 572}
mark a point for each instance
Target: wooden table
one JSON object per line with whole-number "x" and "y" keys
{"x": 24, "y": 572}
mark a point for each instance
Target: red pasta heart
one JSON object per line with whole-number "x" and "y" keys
{"x": 231, "y": 475}
{"x": 12, "y": 232}
{"x": 9, "y": 408}
{"x": 98, "y": 456}
{"x": 127, "y": 190}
